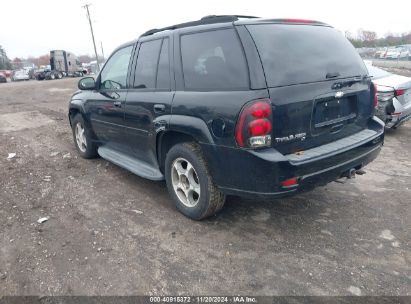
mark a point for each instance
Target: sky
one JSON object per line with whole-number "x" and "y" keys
{"x": 34, "y": 27}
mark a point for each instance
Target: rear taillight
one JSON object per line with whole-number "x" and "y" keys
{"x": 399, "y": 92}
{"x": 292, "y": 182}
{"x": 375, "y": 96}
{"x": 385, "y": 94}
{"x": 254, "y": 124}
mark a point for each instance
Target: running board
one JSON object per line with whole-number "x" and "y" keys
{"x": 131, "y": 164}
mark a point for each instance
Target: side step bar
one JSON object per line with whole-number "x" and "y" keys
{"x": 131, "y": 164}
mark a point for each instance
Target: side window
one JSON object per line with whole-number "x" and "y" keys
{"x": 114, "y": 74}
{"x": 163, "y": 71}
{"x": 213, "y": 60}
{"x": 146, "y": 69}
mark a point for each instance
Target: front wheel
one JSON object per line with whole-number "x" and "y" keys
{"x": 190, "y": 184}
{"x": 82, "y": 138}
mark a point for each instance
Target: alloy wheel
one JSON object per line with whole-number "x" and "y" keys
{"x": 80, "y": 137}
{"x": 185, "y": 182}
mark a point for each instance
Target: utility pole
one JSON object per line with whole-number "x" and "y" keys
{"x": 92, "y": 35}
{"x": 102, "y": 51}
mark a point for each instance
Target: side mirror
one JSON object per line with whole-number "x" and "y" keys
{"x": 87, "y": 83}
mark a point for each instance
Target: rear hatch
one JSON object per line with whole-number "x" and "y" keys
{"x": 317, "y": 82}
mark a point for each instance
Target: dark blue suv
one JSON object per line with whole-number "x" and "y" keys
{"x": 231, "y": 105}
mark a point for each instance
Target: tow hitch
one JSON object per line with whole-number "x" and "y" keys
{"x": 350, "y": 174}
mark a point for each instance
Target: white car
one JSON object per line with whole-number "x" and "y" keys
{"x": 394, "y": 96}
{"x": 396, "y": 53}
{"x": 380, "y": 52}
{"x": 20, "y": 75}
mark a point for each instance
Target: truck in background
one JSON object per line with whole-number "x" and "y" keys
{"x": 62, "y": 64}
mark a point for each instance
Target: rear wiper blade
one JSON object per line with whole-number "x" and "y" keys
{"x": 349, "y": 83}
{"x": 332, "y": 75}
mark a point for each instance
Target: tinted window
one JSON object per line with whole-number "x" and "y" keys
{"x": 213, "y": 60}
{"x": 163, "y": 72}
{"x": 146, "y": 69}
{"x": 293, "y": 54}
{"x": 114, "y": 74}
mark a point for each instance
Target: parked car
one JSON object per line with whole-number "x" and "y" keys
{"x": 3, "y": 77}
{"x": 394, "y": 96}
{"x": 408, "y": 48}
{"x": 227, "y": 105}
{"x": 20, "y": 75}
{"x": 380, "y": 52}
{"x": 397, "y": 53}
{"x": 7, "y": 73}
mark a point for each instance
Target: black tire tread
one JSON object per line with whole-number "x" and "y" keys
{"x": 91, "y": 151}
{"x": 216, "y": 198}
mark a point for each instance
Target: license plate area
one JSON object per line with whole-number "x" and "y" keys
{"x": 331, "y": 111}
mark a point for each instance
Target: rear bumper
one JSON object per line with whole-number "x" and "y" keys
{"x": 397, "y": 120}
{"x": 260, "y": 173}
{"x": 403, "y": 116}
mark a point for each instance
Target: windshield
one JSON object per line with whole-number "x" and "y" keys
{"x": 376, "y": 73}
{"x": 293, "y": 54}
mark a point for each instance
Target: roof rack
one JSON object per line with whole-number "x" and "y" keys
{"x": 211, "y": 19}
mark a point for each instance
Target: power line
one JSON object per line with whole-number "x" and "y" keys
{"x": 92, "y": 35}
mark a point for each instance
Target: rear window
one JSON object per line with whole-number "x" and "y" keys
{"x": 213, "y": 60}
{"x": 294, "y": 54}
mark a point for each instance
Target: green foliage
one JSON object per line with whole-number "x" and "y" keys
{"x": 5, "y": 63}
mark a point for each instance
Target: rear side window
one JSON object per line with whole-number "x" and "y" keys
{"x": 293, "y": 54}
{"x": 146, "y": 69}
{"x": 153, "y": 66}
{"x": 163, "y": 70}
{"x": 213, "y": 60}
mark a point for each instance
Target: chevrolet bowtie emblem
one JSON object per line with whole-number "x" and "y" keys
{"x": 339, "y": 94}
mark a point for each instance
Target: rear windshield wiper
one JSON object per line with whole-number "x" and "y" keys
{"x": 349, "y": 83}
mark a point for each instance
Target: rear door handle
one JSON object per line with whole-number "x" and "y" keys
{"x": 117, "y": 104}
{"x": 159, "y": 108}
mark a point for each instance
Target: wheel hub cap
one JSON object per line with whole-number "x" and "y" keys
{"x": 185, "y": 182}
{"x": 80, "y": 137}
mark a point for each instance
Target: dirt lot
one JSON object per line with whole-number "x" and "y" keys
{"x": 113, "y": 233}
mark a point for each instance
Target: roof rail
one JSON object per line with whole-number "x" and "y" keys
{"x": 211, "y": 19}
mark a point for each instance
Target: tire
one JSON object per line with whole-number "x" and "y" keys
{"x": 59, "y": 75}
{"x": 85, "y": 145}
{"x": 209, "y": 200}
{"x": 52, "y": 76}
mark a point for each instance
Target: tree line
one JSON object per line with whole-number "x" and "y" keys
{"x": 5, "y": 63}
{"x": 365, "y": 38}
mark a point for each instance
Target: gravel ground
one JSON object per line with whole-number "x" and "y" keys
{"x": 110, "y": 232}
